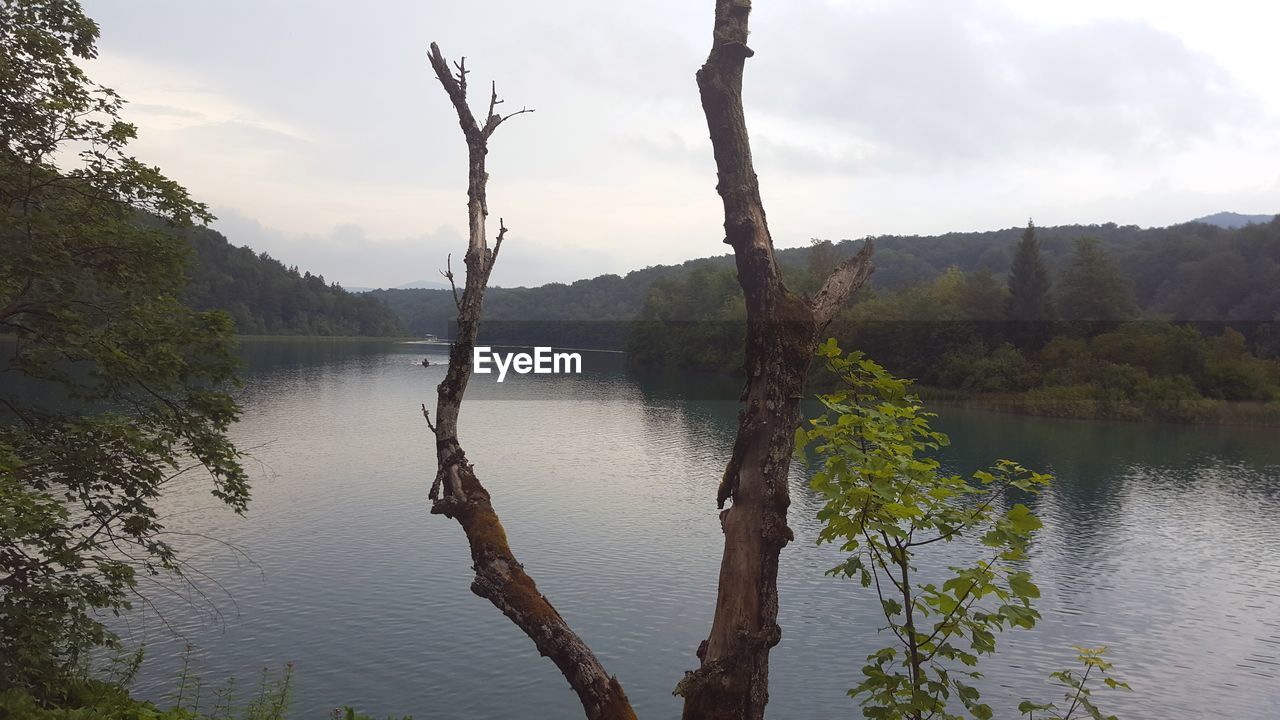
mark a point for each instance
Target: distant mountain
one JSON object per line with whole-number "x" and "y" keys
{"x": 424, "y": 284}
{"x": 415, "y": 285}
{"x": 1231, "y": 220}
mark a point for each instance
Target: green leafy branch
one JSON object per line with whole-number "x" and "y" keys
{"x": 1078, "y": 694}
{"x": 887, "y": 497}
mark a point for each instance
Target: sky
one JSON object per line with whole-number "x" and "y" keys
{"x": 316, "y": 132}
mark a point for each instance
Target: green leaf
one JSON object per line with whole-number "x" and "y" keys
{"x": 1022, "y": 520}
{"x": 801, "y": 441}
{"x": 1021, "y": 585}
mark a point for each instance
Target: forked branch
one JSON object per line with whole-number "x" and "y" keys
{"x": 783, "y": 330}
{"x": 455, "y": 85}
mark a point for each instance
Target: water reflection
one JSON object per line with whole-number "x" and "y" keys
{"x": 1159, "y": 541}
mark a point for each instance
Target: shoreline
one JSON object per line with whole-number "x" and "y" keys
{"x": 1224, "y": 413}
{"x": 325, "y": 338}
{"x": 1219, "y": 413}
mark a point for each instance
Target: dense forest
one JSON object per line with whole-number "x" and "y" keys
{"x": 1194, "y": 271}
{"x": 264, "y": 297}
{"x": 1086, "y": 323}
{"x": 1073, "y": 336}
{"x": 1190, "y": 272}
{"x": 592, "y": 313}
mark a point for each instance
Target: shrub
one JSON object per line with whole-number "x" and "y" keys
{"x": 1173, "y": 398}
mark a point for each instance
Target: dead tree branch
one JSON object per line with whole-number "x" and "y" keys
{"x": 427, "y": 416}
{"x": 448, "y": 263}
{"x": 502, "y": 233}
{"x": 842, "y": 283}
{"x": 457, "y": 492}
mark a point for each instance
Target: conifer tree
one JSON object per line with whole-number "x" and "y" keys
{"x": 1092, "y": 289}
{"x": 1029, "y": 307}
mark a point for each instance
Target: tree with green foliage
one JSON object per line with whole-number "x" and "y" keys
{"x": 822, "y": 260}
{"x": 1092, "y": 289}
{"x": 691, "y": 321}
{"x": 120, "y": 387}
{"x": 942, "y": 334}
{"x": 915, "y": 329}
{"x": 1029, "y": 308}
{"x": 887, "y": 499}
{"x": 264, "y": 297}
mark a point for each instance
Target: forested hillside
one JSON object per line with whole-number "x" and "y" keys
{"x": 1179, "y": 325}
{"x": 587, "y": 313}
{"x": 1192, "y": 271}
{"x": 265, "y": 297}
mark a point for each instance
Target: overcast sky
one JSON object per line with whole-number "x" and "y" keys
{"x": 316, "y": 131}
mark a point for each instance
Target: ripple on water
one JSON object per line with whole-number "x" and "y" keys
{"x": 1158, "y": 542}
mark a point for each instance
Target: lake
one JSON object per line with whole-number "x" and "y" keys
{"x": 1160, "y": 541}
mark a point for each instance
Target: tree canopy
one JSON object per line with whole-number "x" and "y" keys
{"x": 264, "y": 297}
{"x": 1093, "y": 288}
{"x": 1176, "y": 272}
{"x": 120, "y": 386}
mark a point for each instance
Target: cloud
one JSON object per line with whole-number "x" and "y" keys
{"x": 346, "y": 253}
{"x": 349, "y": 255}
{"x": 914, "y": 86}
{"x": 326, "y": 128}
{"x": 162, "y": 111}
{"x": 162, "y": 99}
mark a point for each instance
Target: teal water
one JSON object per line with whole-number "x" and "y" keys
{"x": 1160, "y": 541}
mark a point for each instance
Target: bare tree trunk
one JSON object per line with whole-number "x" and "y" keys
{"x": 457, "y": 492}
{"x": 783, "y": 331}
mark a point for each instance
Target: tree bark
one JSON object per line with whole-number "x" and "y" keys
{"x": 457, "y": 492}
{"x": 783, "y": 331}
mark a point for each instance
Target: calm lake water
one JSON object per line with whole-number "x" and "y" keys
{"x": 1160, "y": 541}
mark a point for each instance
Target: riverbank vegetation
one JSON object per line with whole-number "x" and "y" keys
{"x": 1075, "y": 344}
{"x": 107, "y": 696}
